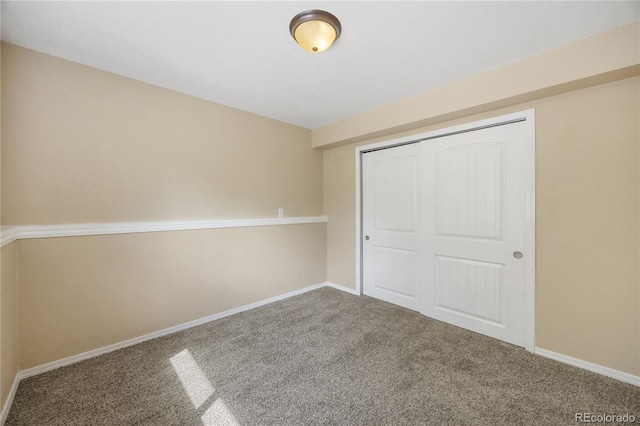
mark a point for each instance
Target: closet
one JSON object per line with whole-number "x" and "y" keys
{"x": 444, "y": 227}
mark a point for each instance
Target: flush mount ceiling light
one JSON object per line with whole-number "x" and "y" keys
{"x": 315, "y": 30}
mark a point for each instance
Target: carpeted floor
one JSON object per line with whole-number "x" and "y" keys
{"x": 321, "y": 358}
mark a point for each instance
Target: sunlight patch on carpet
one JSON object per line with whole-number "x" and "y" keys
{"x": 193, "y": 380}
{"x": 219, "y": 415}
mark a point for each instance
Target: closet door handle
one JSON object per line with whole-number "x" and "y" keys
{"x": 366, "y": 238}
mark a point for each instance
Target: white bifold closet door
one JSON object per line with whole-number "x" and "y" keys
{"x": 446, "y": 225}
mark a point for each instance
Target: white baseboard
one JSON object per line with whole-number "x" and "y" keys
{"x": 605, "y": 371}
{"x": 120, "y": 345}
{"x": 106, "y": 349}
{"x": 342, "y": 288}
{"x": 7, "y": 404}
{"x": 595, "y": 368}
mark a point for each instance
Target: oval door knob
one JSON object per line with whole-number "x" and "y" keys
{"x": 517, "y": 255}
{"x": 366, "y": 238}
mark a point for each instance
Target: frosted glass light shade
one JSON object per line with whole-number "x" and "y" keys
{"x": 315, "y": 36}
{"x": 315, "y": 30}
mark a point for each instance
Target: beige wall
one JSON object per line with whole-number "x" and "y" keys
{"x": 587, "y": 208}
{"x": 587, "y": 235}
{"x": 83, "y": 293}
{"x": 8, "y": 321}
{"x": 340, "y": 207}
{"x": 83, "y": 145}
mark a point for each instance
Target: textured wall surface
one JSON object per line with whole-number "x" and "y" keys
{"x": 83, "y": 145}
{"x": 83, "y": 293}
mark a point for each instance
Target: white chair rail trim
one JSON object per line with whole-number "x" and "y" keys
{"x": 10, "y": 234}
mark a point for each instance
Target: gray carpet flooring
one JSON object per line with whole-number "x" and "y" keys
{"x": 321, "y": 358}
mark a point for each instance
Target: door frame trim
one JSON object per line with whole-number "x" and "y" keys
{"x": 528, "y": 116}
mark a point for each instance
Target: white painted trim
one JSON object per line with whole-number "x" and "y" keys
{"x": 7, "y": 404}
{"x": 530, "y": 237}
{"x": 359, "y": 220}
{"x": 7, "y": 235}
{"x": 342, "y": 288}
{"x": 589, "y": 366}
{"x": 81, "y": 229}
{"x": 529, "y": 116}
{"x": 106, "y": 349}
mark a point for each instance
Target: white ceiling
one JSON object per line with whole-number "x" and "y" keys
{"x": 242, "y": 55}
